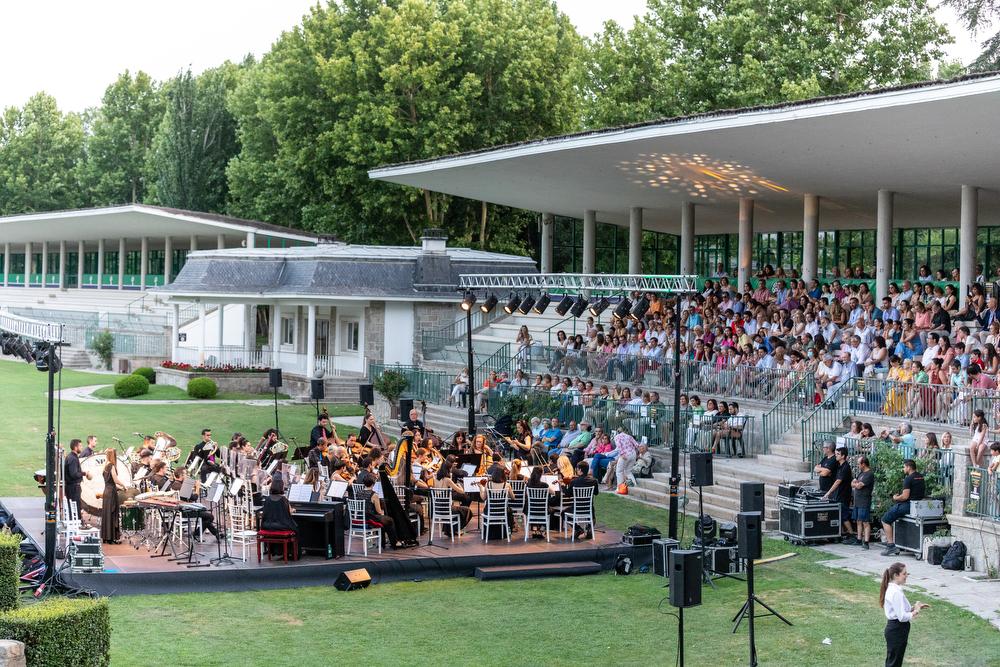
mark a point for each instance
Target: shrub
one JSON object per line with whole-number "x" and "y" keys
{"x": 10, "y": 569}
{"x": 390, "y": 385}
{"x": 202, "y": 388}
{"x": 103, "y": 345}
{"x": 61, "y": 631}
{"x": 147, "y": 373}
{"x": 888, "y": 466}
{"x": 131, "y": 385}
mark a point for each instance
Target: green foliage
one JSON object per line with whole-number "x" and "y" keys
{"x": 131, "y": 385}
{"x": 147, "y": 373}
{"x": 390, "y": 385}
{"x": 103, "y": 345}
{"x": 539, "y": 404}
{"x": 888, "y": 467}
{"x": 202, "y": 388}
{"x": 10, "y": 569}
{"x": 978, "y": 16}
{"x": 62, "y": 632}
{"x": 692, "y": 56}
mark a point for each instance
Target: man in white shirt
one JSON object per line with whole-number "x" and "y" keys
{"x": 828, "y": 371}
{"x": 856, "y": 312}
{"x": 829, "y": 330}
{"x": 906, "y": 294}
{"x": 933, "y": 349}
{"x": 859, "y": 354}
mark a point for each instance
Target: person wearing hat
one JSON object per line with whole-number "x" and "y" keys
{"x": 826, "y": 469}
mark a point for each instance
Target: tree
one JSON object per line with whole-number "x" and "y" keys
{"x": 366, "y": 83}
{"x": 41, "y": 153}
{"x": 692, "y": 56}
{"x": 978, "y": 16}
{"x": 194, "y": 142}
{"x": 121, "y": 137}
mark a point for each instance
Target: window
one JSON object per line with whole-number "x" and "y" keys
{"x": 659, "y": 250}
{"x": 352, "y": 335}
{"x": 323, "y": 337}
{"x": 288, "y": 331}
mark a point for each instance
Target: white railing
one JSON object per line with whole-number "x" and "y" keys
{"x": 22, "y": 326}
{"x": 290, "y": 362}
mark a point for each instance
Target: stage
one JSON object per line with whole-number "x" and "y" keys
{"x": 131, "y": 571}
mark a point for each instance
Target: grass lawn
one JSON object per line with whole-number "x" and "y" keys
{"x": 23, "y": 419}
{"x": 166, "y": 392}
{"x": 601, "y": 619}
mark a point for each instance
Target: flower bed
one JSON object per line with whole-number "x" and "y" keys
{"x": 224, "y": 368}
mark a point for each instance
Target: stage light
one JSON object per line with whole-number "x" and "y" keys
{"x": 641, "y": 306}
{"x": 489, "y": 304}
{"x": 512, "y": 303}
{"x": 600, "y": 306}
{"x": 623, "y": 308}
{"x": 22, "y": 350}
{"x": 41, "y": 355}
{"x": 579, "y": 306}
{"x": 564, "y": 306}
{"x": 469, "y": 300}
{"x": 543, "y": 302}
{"x": 7, "y": 343}
{"x": 526, "y": 305}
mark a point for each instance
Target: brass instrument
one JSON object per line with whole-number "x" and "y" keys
{"x": 279, "y": 448}
{"x": 172, "y": 454}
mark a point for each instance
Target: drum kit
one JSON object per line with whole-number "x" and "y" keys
{"x": 92, "y": 488}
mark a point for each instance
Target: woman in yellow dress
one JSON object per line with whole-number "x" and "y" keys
{"x": 895, "y": 398}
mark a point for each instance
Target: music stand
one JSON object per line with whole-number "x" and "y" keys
{"x": 215, "y": 494}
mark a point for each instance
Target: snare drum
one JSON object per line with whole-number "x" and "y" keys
{"x": 133, "y": 517}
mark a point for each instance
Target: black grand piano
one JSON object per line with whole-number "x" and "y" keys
{"x": 321, "y": 527}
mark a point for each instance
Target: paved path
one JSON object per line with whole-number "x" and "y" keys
{"x": 84, "y": 395}
{"x": 982, "y": 598}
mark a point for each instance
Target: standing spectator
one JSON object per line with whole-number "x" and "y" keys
{"x": 898, "y": 613}
{"x": 862, "y": 487}
{"x": 841, "y": 491}
{"x": 826, "y": 468}
{"x": 626, "y": 452}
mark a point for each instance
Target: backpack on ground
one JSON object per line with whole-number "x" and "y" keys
{"x": 954, "y": 559}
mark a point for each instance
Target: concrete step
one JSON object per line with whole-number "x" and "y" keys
{"x": 782, "y": 462}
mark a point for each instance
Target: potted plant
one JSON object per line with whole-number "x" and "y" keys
{"x": 390, "y": 385}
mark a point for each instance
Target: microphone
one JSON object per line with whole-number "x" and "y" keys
{"x": 117, "y": 440}
{"x": 141, "y": 435}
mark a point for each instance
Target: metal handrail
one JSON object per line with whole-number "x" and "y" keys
{"x": 982, "y": 496}
{"x": 827, "y": 416}
{"x": 799, "y": 398}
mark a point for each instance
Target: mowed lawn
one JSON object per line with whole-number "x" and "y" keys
{"x": 23, "y": 420}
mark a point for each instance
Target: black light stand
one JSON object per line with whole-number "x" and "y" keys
{"x": 50, "y": 467}
{"x": 220, "y": 509}
{"x": 675, "y": 449}
{"x": 748, "y": 612}
{"x": 278, "y": 430}
{"x": 472, "y": 372}
{"x": 680, "y": 636}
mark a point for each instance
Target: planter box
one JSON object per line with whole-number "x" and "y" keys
{"x": 251, "y": 383}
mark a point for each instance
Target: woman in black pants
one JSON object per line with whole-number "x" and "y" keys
{"x": 898, "y": 613}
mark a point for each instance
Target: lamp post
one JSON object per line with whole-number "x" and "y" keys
{"x": 470, "y": 394}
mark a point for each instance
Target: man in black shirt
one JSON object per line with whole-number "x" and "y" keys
{"x": 316, "y": 457}
{"x": 583, "y": 480}
{"x": 206, "y": 450}
{"x": 913, "y": 489}
{"x": 413, "y": 422}
{"x": 862, "y": 486}
{"x": 73, "y": 474}
{"x": 826, "y": 468}
{"x": 841, "y": 491}
{"x": 320, "y": 430}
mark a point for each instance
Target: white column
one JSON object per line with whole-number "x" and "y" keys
{"x": 967, "y": 233}
{"x": 202, "y": 325}
{"x": 62, "y": 264}
{"x": 251, "y": 240}
{"x": 193, "y": 242}
{"x": 168, "y": 259}
{"x": 744, "y": 259}
{"x": 311, "y": 341}
{"x": 687, "y": 239}
{"x": 275, "y": 334}
{"x": 6, "y": 264}
{"x": 121, "y": 263}
{"x": 883, "y": 244}
{"x": 589, "y": 241}
{"x": 175, "y": 330}
{"x": 143, "y": 261}
{"x": 249, "y": 331}
{"x": 635, "y": 240}
{"x": 220, "y": 315}
{"x": 220, "y": 241}
{"x": 45, "y": 261}
{"x": 27, "y": 263}
{"x": 810, "y": 237}
{"x": 81, "y": 250}
{"x": 100, "y": 262}
{"x": 548, "y": 231}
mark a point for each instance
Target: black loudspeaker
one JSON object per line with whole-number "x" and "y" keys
{"x": 405, "y": 405}
{"x": 366, "y": 394}
{"x": 274, "y": 377}
{"x": 661, "y": 555}
{"x": 701, "y": 469}
{"x": 317, "y": 390}
{"x": 749, "y": 534}
{"x": 351, "y": 580}
{"x": 685, "y": 578}
{"x": 752, "y": 497}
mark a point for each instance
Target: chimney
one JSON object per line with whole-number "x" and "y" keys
{"x": 327, "y": 239}
{"x": 434, "y": 240}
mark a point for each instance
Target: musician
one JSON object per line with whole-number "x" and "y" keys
{"x": 535, "y": 482}
{"x": 414, "y": 423}
{"x": 560, "y": 465}
{"x": 110, "y": 529}
{"x": 207, "y": 521}
{"x": 73, "y": 475}
{"x": 158, "y": 475}
{"x": 91, "y": 447}
{"x": 369, "y": 430}
{"x": 498, "y": 464}
{"x": 583, "y": 480}
{"x": 342, "y": 472}
{"x": 205, "y": 450}
{"x": 317, "y": 455}
{"x": 521, "y": 441}
{"x": 276, "y": 512}
{"x": 497, "y": 481}
{"x": 268, "y": 440}
{"x": 460, "y": 441}
{"x": 374, "y": 512}
{"x": 321, "y": 430}
{"x": 444, "y": 480}
{"x": 145, "y": 460}
{"x": 366, "y": 471}
{"x": 515, "y": 471}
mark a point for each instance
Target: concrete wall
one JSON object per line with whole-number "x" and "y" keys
{"x": 373, "y": 333}
{"x": 431, "y": 317}
{"x": 253, "y": 383}
{"x": 399, "y": 327}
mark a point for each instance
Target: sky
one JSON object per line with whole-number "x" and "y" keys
{"x": 73, "y": 50}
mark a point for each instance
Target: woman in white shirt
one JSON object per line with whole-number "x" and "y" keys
{"x": 898, "y": 613}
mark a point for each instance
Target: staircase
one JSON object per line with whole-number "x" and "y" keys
{"x": 75, "y": 357}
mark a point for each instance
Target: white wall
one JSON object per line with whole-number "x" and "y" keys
{"x": 232, "y": 332}
{"x": 399, "y": 332}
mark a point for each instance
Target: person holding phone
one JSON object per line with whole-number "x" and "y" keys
{"x": 898, "y": 613}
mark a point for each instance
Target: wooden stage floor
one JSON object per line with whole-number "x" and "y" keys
{"x": 129, "y": 570}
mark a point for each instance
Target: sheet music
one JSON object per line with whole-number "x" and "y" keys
{"x": 236, "y": 486}
{"x": 377, "y": 489}
{"x": 526, "y": 471}
{"x": 300, "y": 493}
{"x": 416, "y": 468}
{"x": 471, "y": 483}
{"x": 187, "y": 488}
{"x": 469, "y": 468}
{"x": 338, "y": 489}
{"x": 271, "y": 467}
{"x": 552, "y": 481}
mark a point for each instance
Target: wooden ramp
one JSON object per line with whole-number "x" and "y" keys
{"x": 573, "y": 569}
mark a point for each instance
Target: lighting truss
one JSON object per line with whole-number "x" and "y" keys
{"x": 592, "y": 283}
{"x": 33, "y": 329}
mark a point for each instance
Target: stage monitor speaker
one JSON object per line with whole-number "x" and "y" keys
{"x": 661, "y": 555}
{"x": 317, "y": 390}
{"x": 351, "y": 580}
{"x": 274, "y": 377}
{"x": 701, "y": 469}
{"x": 366, "y": 394}
{"x": 685, "y": 578}
{"x": 405, "y": 405}
{"x": 752, "y": 497}
{"x": 749, "y": 534}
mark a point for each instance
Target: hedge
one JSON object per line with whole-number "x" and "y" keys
{"x": 131, "y": 385}
{"x": 202, "y": 388}
{"x": 146, "y": 372}
{"x": 61, "y": 632}
{"x": 10, "y": 569}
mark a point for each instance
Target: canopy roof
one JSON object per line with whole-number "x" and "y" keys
{"x": 922, "y": 141}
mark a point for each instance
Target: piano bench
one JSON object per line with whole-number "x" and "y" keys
{"x": 285, "y": 538}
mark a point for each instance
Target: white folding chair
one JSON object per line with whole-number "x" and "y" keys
{"x": 538, "y": 511}
{"x": 241, "y": 533}
{"x": 360, "y": 527}
{"x": 580, "y": 511}
{"x": 401, "y": 494}
{"x": 495, "y": 512}
{"x": 518, "y": 486}
{"x": 443, "y": 513}
{"x": 356, "y": 489}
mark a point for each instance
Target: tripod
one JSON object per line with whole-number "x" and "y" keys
{"x": 222, "y": 512}
{"x": 748, "y": 612}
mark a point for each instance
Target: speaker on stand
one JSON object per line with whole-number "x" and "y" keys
{"x": 750, "y": 528}
{"x": 274, "y": 379}
{"x": 701, "y": 475}
{"x": 366, "y": 395}
{"x": 752, "y": 497}
{"x": 317, "y": 392}
{"x": 685, "y": 588}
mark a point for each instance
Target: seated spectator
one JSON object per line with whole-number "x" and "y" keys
{"x": 913, "y": 489}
